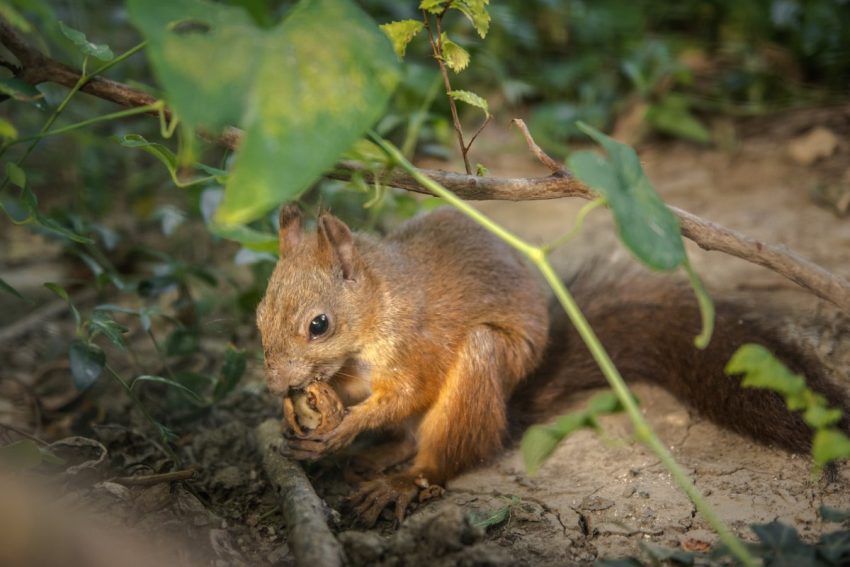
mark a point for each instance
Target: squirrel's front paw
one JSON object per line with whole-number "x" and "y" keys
{"x": 313, "y": 447}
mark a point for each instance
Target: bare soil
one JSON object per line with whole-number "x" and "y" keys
{"x": 595, "y": 497}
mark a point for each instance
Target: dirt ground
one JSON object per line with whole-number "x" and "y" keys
{"x": 594, "y": 498}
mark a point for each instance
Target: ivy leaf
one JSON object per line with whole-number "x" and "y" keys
{"x": 476, "y": 12}
{"x": 98, "y": 50}
{"x": 231, "y": 372}
{"x": 829, "y": 445}
{"x": 16, "y": 175}
{"x": 402, "y": 33}
{"x": 8, "y": 130}
{"x": 672, "y": 116}
{"x": 87, "y": 363}
{"x": 472, "y": 99}
{"x": 456, "y": 57}
{"x": 762, "y": 370}
{"x": 645, "y": 224}
{"x": 303, "y": 91}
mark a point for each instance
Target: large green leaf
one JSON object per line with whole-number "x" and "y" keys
{"x": 646, "y": 225}
{"x": 303, "y": 91}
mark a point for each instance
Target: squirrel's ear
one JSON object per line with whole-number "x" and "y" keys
{"x": 290, "y": 227}
{"x": 336, "y": 240}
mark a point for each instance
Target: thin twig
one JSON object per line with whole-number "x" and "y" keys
{"x": 544, "y": 158}
{"x": 309, "y": 537}
{"x": 151, "y": 479}
{"x": 23, "y": 433}
{"x": 437, "y": 48}
{"x": 706, "y": 234}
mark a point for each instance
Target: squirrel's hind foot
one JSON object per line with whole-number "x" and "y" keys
{"x": 398, "y": 490}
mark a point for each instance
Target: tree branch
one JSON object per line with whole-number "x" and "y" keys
{"x": 708, "y": 235}
{"x": 309, "y": 537}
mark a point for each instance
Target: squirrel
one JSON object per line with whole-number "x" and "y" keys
{"x": 441, "y": 332}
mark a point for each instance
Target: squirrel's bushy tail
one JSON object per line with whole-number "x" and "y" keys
{"x": 648, "y": 324}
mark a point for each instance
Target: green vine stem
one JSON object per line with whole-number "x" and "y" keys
{"x": 580, "y": 217}
{"x": 84, "y": 78}
{"x": 158, "y": 106}
{"x": 643, "y": 432}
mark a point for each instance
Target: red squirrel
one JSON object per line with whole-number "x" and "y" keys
{"x": 441, "y": 332}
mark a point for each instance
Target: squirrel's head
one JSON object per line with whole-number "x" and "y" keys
{"x": 315, "y": 305}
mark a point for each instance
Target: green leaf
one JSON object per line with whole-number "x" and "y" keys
{"x": 16, "y": 175}
{"x": 456, "y": 57}
{"x": 481, "y": 170}
{"x": 432, "y": 6}
{"x": 169, "y": 159}
{"x": 402, "y": 33}
{"x": 494, "y": 518}
{"x": 87, "y": 363}
{"x": 303, "y": 91}
{"x": 4, "y": 286}
{"x": 63, "y": 294}
{"x": 537, "y": 444}
{"x": 645, "y": 224}
{"x": 14, "y": 17}
{"x": 541, "y": 440}
{"x": 19, "y": 90}
{"x": 476, "y": 12}
{"x": 23, "y": 454}
{"x": 188, "y": 392}
{"x": 819, "y": 416}
{"x": 98, "y": 50}
{"x": 762, "y": 370}
{"x": 231, "y": 372}
{"x": 473, "y": 99}
{"x": 102, "y": 323}
{"x": 672, "y": 116}
{"x": 835, "y": 547}
{"x": 829, "y": 514}
{"x": 829, "y": 445}
{"x": 182, "y": 340}
{"x": 8, "y": 130}
{"x": 249, "y": 238}
{"x": 604, "y": 403}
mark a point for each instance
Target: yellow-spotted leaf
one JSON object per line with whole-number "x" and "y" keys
{"x": 401, "y": 33}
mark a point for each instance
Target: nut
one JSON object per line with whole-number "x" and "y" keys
{"x": 316, "y": 409}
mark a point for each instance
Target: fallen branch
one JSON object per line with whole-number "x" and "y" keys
{"x": 36, "y": 68}
{"x": 309, "y": 537}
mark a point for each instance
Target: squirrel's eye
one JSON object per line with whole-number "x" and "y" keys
{"x": 319, "y": 326}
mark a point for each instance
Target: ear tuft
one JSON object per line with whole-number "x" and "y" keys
{"x": 291, "y": 227}
{"x": 335, "y": 238}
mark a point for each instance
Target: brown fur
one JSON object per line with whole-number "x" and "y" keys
{"x": 435, "y": 328}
